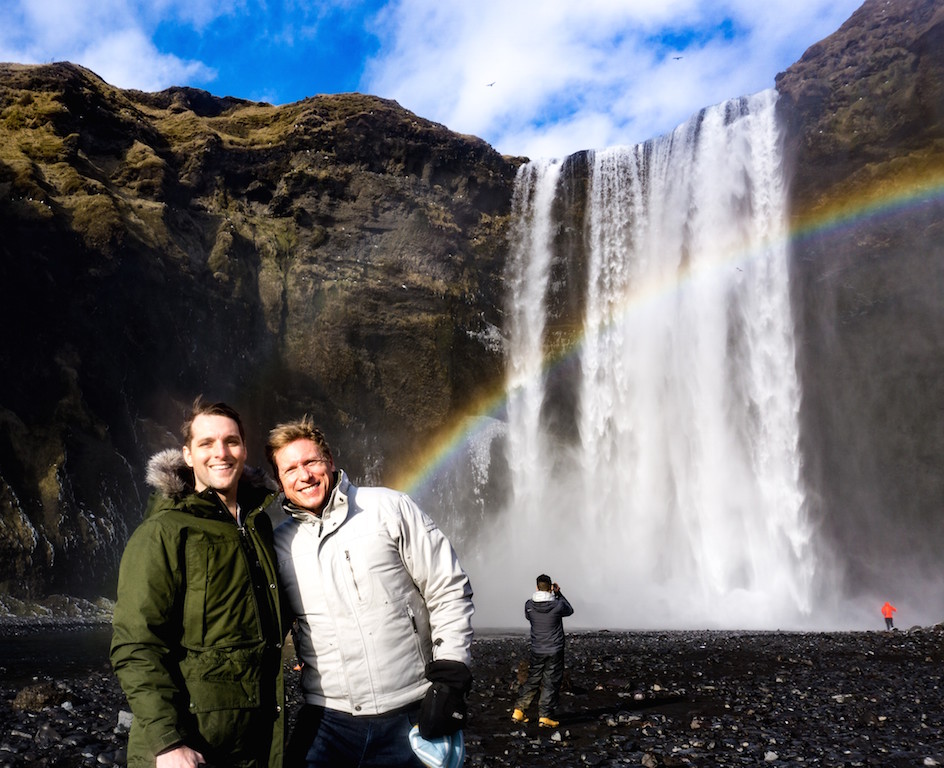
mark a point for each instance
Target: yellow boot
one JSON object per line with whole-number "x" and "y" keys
{"x": 546, "y": 722}
{"x": 518, "y": 716}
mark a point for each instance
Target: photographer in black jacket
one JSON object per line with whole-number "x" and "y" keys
{"x": 545, "y": 610}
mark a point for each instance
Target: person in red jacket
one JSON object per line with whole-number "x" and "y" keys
{"x": 887, "y": 610}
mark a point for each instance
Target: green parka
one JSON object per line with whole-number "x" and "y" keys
{"x": 197, "y": 635}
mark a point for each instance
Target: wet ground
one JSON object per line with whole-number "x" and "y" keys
{"x": 630, "y": 699}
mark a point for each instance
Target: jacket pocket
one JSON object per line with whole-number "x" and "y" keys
{"x": 354, "y": 580}
{"x": 219, "y": 605}
{"x": 212, "y": 695}
{"x": 417, "y": 638}
{"x": 195, "y": 590}
{"x": 358, "y": 575}
{"x": 223, "y": 679}
{"x": 229, "y": 723}
{"x": 417, "y": 650}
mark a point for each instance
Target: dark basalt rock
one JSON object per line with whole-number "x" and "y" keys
{"x": 638, "y": 698}
{"x": 339, "y": 256}
{"x": 864, "y": 111}
{"x": 344, "y": 257}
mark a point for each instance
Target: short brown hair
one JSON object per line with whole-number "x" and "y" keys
{"x": 203, "y": 407}
{"x": 290, "y": 431}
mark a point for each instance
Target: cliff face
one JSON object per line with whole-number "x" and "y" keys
{"x": 344, "y": 257}
{"x": 864, "y": 111}
{"x": 339, "y": 256}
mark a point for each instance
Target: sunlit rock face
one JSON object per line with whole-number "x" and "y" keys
{"x": 339, "y": 256}
{"x": 864, "y": 114}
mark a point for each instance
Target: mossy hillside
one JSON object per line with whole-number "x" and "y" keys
{"x": 339, "y": 256}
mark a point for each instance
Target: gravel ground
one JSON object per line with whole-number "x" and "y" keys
{"x": 723, "y": 698}
{"x": 629, "y": 699}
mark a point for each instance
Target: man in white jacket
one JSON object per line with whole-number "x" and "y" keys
{"x": 384, "y": 611}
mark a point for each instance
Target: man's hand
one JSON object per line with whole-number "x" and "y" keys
{"x": 555, "y": 588}
{"x": 180, "y": 757}
{"x": 444, "y": 709}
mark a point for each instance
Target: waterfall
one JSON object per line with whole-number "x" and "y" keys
{"x": 529, "y": 273}
{"x": 675, "y": 501}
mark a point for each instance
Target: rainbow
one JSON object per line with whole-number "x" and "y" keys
{"x": 884, "y": 197}
{"x": 448, "y": 444}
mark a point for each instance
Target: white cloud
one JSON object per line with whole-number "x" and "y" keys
{"x": 580, "y": 75}
{"x": 128, "y": 58}
{"x": 567, "y": 74}
{"x": 113, "y": 38}
{"x": 198, "y": 13}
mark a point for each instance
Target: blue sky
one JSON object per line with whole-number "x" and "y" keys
{"x": 541, "y": 78}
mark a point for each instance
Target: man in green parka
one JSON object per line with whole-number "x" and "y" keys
{"x": 197, "y": 640}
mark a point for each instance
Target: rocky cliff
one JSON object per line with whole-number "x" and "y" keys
{"x": 864, "y": 118}
{"x": 339, "y": 256}
{"x": 343, "y": 256}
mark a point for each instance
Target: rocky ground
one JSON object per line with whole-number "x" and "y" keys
{"x": 630, "y": 699}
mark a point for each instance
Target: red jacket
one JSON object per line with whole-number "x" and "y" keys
{"x": 888, "y": 609}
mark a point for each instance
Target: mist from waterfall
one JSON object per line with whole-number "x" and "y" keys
{"x": 676, "y": 501}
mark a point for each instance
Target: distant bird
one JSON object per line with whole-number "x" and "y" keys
{"x": 678, "y": 57}
{"x": 489, "y": 85}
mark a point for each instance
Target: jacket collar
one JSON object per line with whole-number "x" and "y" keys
{"x": 169, "y": 475}
{"x": 335, "y": 511}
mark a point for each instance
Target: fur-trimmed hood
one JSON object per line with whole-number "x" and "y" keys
{"x": 168, "y": 474}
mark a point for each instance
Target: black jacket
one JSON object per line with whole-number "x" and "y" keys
{"x": 546, "y": 611}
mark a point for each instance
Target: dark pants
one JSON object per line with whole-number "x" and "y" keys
{"x": 545, "y": 674}
{"x": 326, "y": 738}
{"x": 889, "y": 624}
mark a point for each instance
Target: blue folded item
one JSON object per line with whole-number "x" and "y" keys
{"x": 443, "y": 752}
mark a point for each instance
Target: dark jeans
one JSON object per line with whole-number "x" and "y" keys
{"x": 326, "y": 738}
{"x": 545, "y": 673}
{"x": 889, "y": 624}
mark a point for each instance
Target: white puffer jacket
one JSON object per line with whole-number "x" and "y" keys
{"x": 378, "y": 592}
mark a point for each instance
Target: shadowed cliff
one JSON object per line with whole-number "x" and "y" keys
{"x": 864, "y": 117}
{"x": 339, "y": 256}
{"x": 343, "y": 256}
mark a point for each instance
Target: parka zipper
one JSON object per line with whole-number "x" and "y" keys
{"x": 257, "y": 577}
{"x": 265, "y": 615}
{"x": 417, "y": 639}
{"x": 350, "y": 565}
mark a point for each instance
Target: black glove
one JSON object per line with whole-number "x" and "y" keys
{"x": 444, "y": 710}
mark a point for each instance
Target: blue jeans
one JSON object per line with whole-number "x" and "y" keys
{"x": 327, "y": 738}
{"x": 545, "y": 673}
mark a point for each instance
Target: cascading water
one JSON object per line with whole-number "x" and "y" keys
{"x": 529, "y": 273}
{"x": 677, "y": 501}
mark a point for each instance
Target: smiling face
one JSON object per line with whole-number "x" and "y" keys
{"x": 305, "y": 473}
{"x": 217, "y": 454}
